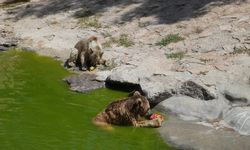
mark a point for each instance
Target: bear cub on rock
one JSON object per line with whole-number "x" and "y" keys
{"x": 86, "y": 55}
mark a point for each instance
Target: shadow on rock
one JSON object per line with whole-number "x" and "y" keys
{"x": 167, "y": 12}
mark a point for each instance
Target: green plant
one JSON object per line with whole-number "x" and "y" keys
{"x": 90, "y": 22}
{"x": 177, "y": 55}
{"x": 124, "y": 40}
{"x": 107, "y": 44}
{"x": 171, "y": 38}
{"x": 106, "y": 34}
{"x": 241, "y": 50}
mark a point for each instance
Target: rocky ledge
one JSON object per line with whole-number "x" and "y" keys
{"x": 208, "y": 109}
{"x": 84, "y": 82}
{"x": 201, "y": 78}
{"x": 190, "y": 135}
{"x": 201, "y": 113}
{"x": 216, "y": 102}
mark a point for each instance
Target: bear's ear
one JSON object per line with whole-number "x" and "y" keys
{"x": 137, "y": 93}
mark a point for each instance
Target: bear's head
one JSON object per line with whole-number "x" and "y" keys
{"x": 96, "y": 53}
{"x": 138, "y": 104}
{"x": 96, "y": 58}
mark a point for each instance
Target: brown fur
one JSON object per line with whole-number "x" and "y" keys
{"x": 89, "y": 53}
{"x": 127, "y": 111}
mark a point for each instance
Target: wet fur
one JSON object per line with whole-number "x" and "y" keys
{"x": 127, "y": 111}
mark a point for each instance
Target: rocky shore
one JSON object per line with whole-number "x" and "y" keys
{"x": 191, "y": 59}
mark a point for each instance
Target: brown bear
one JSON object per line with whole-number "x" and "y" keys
{"x": 89, "y": 54}
{"x": 127, "y": 111}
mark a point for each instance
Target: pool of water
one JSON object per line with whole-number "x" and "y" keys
{"x": 38, "y": 111}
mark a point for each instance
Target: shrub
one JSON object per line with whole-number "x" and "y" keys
{"x": 171, "y": 38}
{"x": 177, "y": 55}
{"x": 241, "y": 50}
{"x": 89, "y": 22}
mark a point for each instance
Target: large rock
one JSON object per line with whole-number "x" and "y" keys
{"x": 124, "y": 78}
{"x": 131, "y": 75}
{"x": 195, "y": 90}
{"x": 219, "y": 39}
{"x": 156, "y": 87}
{"x": 3, "y": 48}
{"x": 237, "y": 94}
{"x": 125, "y": 74}
{"x": 188, "y": 135}
{"x": 214, "y": 78}
{"x": 102, "y": 75}
{"x": 160, "y": 87}
{"x": 8, "y": 45}
{"x": 193, "y": 109}
{"x": 84, "y": 83}
{"x": 239, "y": 119}
{"x": 134, "y": 71}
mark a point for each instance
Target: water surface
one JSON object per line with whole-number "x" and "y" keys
{"x": 38, "y": 111}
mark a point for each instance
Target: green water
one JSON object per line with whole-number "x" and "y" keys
{"x": 37, "y": 111}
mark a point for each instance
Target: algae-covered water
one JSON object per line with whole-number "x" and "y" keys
{"x": 37, "y": 111}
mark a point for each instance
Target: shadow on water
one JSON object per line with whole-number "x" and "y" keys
{"x": 166, "y": 11}
{"x": 37, "y": 111}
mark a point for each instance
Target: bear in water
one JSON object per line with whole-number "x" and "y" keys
{"x": 128, "y": 111}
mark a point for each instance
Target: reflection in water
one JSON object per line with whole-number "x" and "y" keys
{"x": 37, "y": 111}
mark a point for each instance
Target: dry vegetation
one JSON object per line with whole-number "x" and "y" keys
{"x": 176, "y": 55}
{"x": 171, "y": 38}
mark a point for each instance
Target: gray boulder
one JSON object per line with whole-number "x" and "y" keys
{"x": 188, "y": 135}
{"x": 3, "y": 48}
{"x": 219, "y": 39}
{"x": 237, "y": 94}
{"x": 125, "y": 74}
{"x": 84, "y": 82}
{"x": 160, "y": 87}
{"x": 133, "y": 72}
{"x": 239, "y": 119}
{"x": 195, "y": 90}
{"x": 8, "y": 45}
{"x": 102, "y": 75}
{"x": 193, "y": 109}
